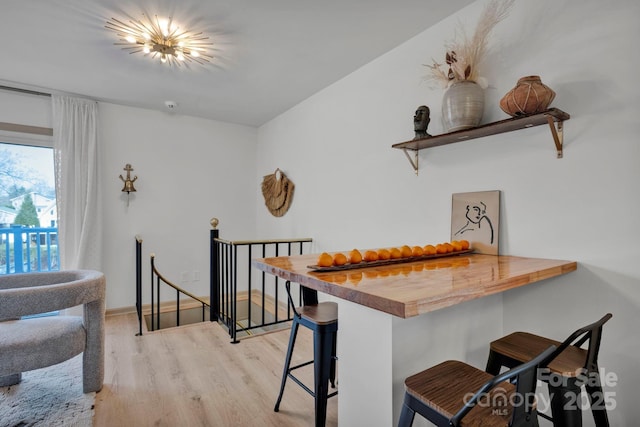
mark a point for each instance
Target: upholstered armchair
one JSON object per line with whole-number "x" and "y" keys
{"x": 33, "y": 343}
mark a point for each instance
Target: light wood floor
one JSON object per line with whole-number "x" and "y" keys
{"x": 193, "y": 376}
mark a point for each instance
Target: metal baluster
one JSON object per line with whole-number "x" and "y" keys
{"x": 139, "y": 283}
{"x": 234, "y": 296}
{"x": 158, "y": 300}
{"x": 152, "y": 300}
{"x": 264, "y": 248}
{"x": 276, "y": 283}
{"x": 214, "y": 277}
{"x": 177, "y": 307}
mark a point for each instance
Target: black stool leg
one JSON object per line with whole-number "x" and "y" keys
{"x": 407, "y": 414}
{"x": 596, "y": 399}
{"x": 322, "y": 350}
{"x": 332, "y": 371}
{"x": 287, "y": 362}
{"x": 494, "y": 363}
{"x": 566, "y": 409}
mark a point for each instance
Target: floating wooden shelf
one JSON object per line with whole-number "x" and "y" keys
{"x": 553, "y": 117}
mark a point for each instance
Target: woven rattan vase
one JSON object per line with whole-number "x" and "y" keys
{"x": 530, "y": 96}
{"x": 462, "y": 106}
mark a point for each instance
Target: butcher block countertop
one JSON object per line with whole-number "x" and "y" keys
{"x": 413, "y": 288}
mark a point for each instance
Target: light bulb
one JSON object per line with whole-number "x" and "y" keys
{"x": 146, "y": 48}
{"x": 146, "y": 36}
{"x": 130, "y": 39}
{"x": 164, "y": 26}
{"x": 194, "y": 53}
{"x": 180, "y": 56}
{"x": 163, "y": 58}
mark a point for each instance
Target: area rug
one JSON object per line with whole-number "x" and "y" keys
{"x": 49, "y": 396}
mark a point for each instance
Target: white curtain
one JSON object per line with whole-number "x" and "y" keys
{"x": 75, "y": 143}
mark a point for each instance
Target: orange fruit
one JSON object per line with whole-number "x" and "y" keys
{"x": 395, "y": 253}
{"x": 325, "y": 260}
{"x": 441, "y": 249}
{"x": 406, "y": 251}
{"x": 430, "y": 250}
{"x": 384, "y": 254}
{"x": 417, "y": 251}
{"x": 371, "y": 256}
{"x": 339, "y": 259}
{"x": 457, "y": 246}
{"x": 449, "y": 247}
{"x": 465, "y": 244}
{"x": 355, "y": 257}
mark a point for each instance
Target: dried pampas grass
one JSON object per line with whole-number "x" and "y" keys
{"x": 464, "y": 53}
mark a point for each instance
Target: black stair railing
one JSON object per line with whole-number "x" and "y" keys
{"x": 159, "y": 279}
{"x": 225, "y": 262}
{"x": 139, "y": 282}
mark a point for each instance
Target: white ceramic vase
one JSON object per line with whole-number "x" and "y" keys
{"x": 462, "y": 106}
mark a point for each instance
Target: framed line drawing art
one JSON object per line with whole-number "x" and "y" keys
{"x": 476, "y": 217}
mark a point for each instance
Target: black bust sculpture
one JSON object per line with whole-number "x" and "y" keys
{"x": 421, "y": 121}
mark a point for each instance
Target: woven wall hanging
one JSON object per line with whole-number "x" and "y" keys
{"x": 277, "y": 190}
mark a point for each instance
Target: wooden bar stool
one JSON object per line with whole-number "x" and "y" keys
{"x": 570, "y": 367}
{"x": 322, "y": 319}
{"x": 456, "y": 394}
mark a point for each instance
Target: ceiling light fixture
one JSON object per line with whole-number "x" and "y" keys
{"x": 162, "y": 39}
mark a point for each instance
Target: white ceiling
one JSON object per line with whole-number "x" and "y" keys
{"x": 269, "y": 54}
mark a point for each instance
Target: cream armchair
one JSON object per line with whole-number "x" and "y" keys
{"x": 27, "y": 344}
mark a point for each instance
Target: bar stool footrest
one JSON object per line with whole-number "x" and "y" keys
{"x": 307, "y": 389}
{"x": 301, "y": 365}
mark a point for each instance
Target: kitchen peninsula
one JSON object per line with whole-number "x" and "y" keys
{"x": 389, "y": 326}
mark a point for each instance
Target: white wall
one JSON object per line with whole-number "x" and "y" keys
{"x": 353, "y": 190}
{"x": 189, "y": 170}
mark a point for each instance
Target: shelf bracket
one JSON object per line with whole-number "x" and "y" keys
{"x": 557, "y": 135}
{"x": 414, "y": 160}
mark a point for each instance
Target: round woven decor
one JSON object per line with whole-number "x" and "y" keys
{"x": 277, "y": 190}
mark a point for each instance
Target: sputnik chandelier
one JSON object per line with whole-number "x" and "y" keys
{"x": 162, "y": 39}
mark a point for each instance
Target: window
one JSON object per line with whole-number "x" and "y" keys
{"x": 28, "y": 215}
{"x": 27, "y": 172}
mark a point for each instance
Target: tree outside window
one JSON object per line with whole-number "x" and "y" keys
{"x": 27, "y": 215}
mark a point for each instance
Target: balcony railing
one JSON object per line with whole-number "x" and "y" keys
{"x": 28, "y": 249}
